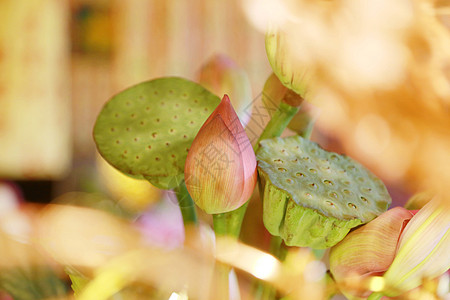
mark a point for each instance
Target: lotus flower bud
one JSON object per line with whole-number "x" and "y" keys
{"x": 220, "y": 170}
{"x": 291, "y": 72}
{"x": 221, "y": 75}
{"x": 368, "y": 250}
{"x": 423, "y": 250}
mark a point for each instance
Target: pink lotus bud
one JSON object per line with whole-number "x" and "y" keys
{"x": 221, "y": 75}
{"x": 220, "y": 168}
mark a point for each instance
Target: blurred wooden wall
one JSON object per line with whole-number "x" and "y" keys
{"x": 155, "y": 38}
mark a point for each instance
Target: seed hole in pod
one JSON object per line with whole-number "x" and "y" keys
{"x": 282, "y": 170}
{"x": 328, "y": 202}
{"x": 364, "y": 199}
{"x": 283, "y": 150}
{"x": 112, "y": 129}
{"x": 328, "y": 182}
{"x": 206, "y": 109}
{"x": 128, "y": 103}
{"x": 127, "y": 129}
{"x": 192, "y": 122}
{"x": 142, "y": 123}
{"x": 308, "y": 195}
{"x": 155, "y": 92}
{"x": 154, "y": 134}
{"x": 346, "y": 192}
{"x": 184, "y": 95}
{"x": 137, "y": 156}
{"x": 184, "y": 136}
{"x": 125, "y": 151}
{"x": 171, "y": 130}
{"x": 133, "y": 115}
{"x": 157, "y": 158}
{"x": 334, "y": 195}
{"x": 117, "y": 142}
{"x": 173, "y": 155}
{"x": 295, "y": 160}
{"x": 366, "y": 190}
{"x": 147, "y": 108}
{"x": 299, "y": 174}
{"x": 167, "y": 144}
{"x": 290, "y": 181}
{"x": 187, "y": 149}
{"x": 189, "y": 110}
{"x": 177, "y": 105}
{"x": 135, "y": 139}
{"x": 116, "y": 115}
{"x": 195, "y": 101}
{"x": 170, "y": 91}
{"x": 334, "y": 157}
{"x": 157, "y": 120}
{"x": 163, "y": 103}
{"x": 278, "y": 161}
{"x": 314, "y": 171}
{"x": 149, "y": 147}
{"x": 313, "y": 186}
{"x": 351, "y": 205}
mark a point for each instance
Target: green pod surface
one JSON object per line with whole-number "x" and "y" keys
{"x": 146, "y": 130}
{"x": 312, "y": 197}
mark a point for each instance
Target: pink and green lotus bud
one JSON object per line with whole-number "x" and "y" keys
{"x": 292, "y": 73}
{"x": 368, "y": 250}
{"x": 312, "y": 197}
{"x": 221, "y": 75}
{"x": 220, "y": 170}
{"x": 423, "y": 250}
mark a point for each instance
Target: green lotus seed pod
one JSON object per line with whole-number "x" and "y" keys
{"x": 312, "y": 197}
{"x": 146, "y": 130}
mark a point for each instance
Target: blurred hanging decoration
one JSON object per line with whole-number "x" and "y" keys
{"x": 34, "y": 100}
{"x": 380, "y": 73}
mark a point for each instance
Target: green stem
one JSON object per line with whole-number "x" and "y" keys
{"x": 375, "y": 296}
{"x": 186, "y": 204}
{"x": 280, "y": 119}
{"x": 229, "y": 223}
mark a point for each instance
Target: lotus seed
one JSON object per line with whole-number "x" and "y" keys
{"x": 289, "y": 181}
{"x": 282, "y": 169}
{"x": 313, "y": 185}
{"x": 314, "y": 171}
{"x": 334, "y": 195}
{"x": 278, "y": 160}
{"x": 328, "y": 182}
{"x": 329, "y": 203}
{"x": 364, "y": 199}
{"x": 298, "y": 174}
{"x": 154, "y": 134}
{"x": 352, "y": 205}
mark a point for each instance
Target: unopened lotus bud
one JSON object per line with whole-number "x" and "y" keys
{"x": 312, "y": 198}
{"x": 423, "y": 250}
{"x": 291, "y": 72}
{"x": 220, "y": 170}
{"x": 368, "y": 250}
{"x": 221, "y": 75}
